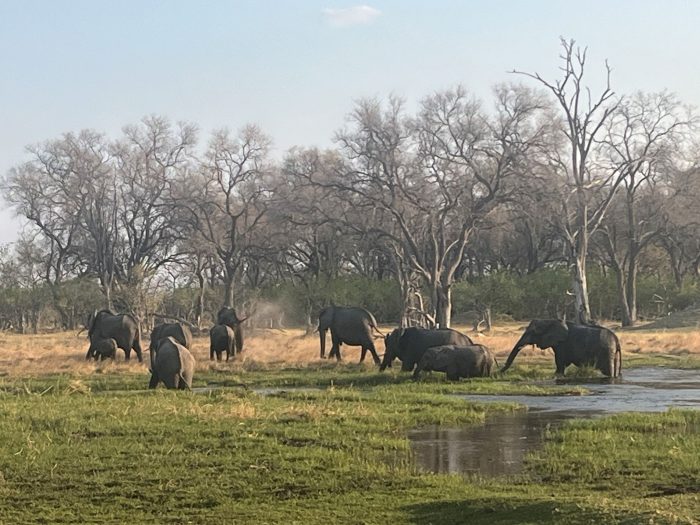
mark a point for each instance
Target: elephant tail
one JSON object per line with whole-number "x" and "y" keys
{"x": 373, "y": 324}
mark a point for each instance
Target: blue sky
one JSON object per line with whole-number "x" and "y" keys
{"x": 294, "y": 67}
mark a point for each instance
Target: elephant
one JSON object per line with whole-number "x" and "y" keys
{"x": 227, "y": 316}
{"x": 123, "y": 328}
{"x": 457, "y": 361}
{"x": 409, "y": 344}
{"x": 102, "y": 349}
{"x": 573, "y": 344}
{"x": 180, "y": 332}
{"x": 348, "y": 325}
{"x": 173, "y": 365}
{"x": 221, "y": 337}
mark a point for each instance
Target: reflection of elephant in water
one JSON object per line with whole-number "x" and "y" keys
{"x": 457, "y": 361}
{"x": 348, "y": 325}
{"x": 573, "y": 344}
{"x": 173, "y": 365}
{"x": 228, "y": 317}
{"x": 221, "y": 338}
{"x": 102, "y": 349}
{"x": 123, "y": 328}
{"x": 409, "y": 344}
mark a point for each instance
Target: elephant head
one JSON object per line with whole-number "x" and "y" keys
{"x": 544, "y": 333}
{"x": 392, "y": 347}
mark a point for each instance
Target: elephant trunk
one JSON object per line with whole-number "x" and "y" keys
{"x": 511, "y": 357}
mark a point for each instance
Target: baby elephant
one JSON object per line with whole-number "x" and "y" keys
{"x": 173, "y": 365}
{"x": 457, "y": 361}
{"x": 221, "y": 338}
{"x": 102, "y": 349}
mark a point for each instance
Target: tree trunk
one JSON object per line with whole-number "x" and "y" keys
{"x": 443, "y": 308}
{"x": 631, "y": 291}
{"x": 622, "y": 287}
{"x": 200, "y": 298}
{"x": 228, "y": 288}
{"x": 583, "y": 309}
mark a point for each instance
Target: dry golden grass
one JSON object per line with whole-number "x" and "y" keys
{"x": 64, "y": 352}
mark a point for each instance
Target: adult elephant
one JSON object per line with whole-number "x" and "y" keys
{"x": 227, "y": 316}
{"x": 173, "y": 365}
{"x": 573, "y": 344}
{"x": 123, "y": 328}
{"x": 178, "y": 331}
{"x": 221, "y": 339}
{"x": 348, "y": 325}
{"x": 457, "y": 361}
{"x": 409, "y": 344}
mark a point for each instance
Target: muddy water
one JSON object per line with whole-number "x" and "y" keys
{"x": 500, "y": 445}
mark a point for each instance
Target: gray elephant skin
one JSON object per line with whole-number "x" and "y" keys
{"x": 222, "y": 338}
{"x": 123, "y": 328}
{"x": 573, "y": 344}
{"x": 173, "y": 365}
{"x": 180, "y": 332}
{"x": 348, "y": 325}
{"x": 227, "y": 316}
{"x": 102, "y": 349}
{"x": 409, "y": 344}
{"x": 457, "y": 361}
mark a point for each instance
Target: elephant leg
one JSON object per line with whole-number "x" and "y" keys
{"x": 136, "y": 345}
{"x": 363, "y": 353}
{"x": 218, "y": 355}
{"x": 618, "y": 364}
{"x": 211, "y": 353}
{"x": 89, "y": 354}
{"x": 335, "y": 350}
{"x": 154, "y": 381}
{"x": 373, "y": 351}
{"x": 127, "y": 354}
{"x": 560, "y": 363}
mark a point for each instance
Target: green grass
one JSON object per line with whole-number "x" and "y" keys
{"x": 100, "y": 449}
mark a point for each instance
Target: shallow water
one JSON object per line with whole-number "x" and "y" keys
{"x": 639, "y": 390}
{"x": 499, "y": 446}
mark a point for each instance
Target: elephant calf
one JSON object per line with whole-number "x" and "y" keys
{"x": 222, "y": 338}
{"x": 102, "y": 349}
{"x": 457, "y": 361}
{"x": 173, "y": 365}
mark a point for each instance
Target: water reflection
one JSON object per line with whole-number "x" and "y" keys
{"x": 496, "y": 448}
{"x": 499, "y": 446}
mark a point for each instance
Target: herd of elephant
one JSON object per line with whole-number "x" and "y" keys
{"x": 171, "y": 359}
{"x": 455, "y": 354}
{"x": 418, "y": 349}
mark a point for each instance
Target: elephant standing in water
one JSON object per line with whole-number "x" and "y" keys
{"x": 409, "y": 344}
{"x": 348, "y": 325}
{"x": 573, "y": 344}
{"x": 227, "y": 316}
{"x": 123, "y": 328}
{"x": 173, "y": 365}
{"x": 457, "y": 361}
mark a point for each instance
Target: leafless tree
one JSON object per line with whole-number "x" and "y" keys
{"x": 226, "y": 199}
{"x": 643, "y": 137}
{"x": 589, "y": 191}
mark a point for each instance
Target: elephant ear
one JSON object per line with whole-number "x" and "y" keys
{"x": 556, "y": 332}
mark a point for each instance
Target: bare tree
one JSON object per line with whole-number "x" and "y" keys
{"x": 229, "y": 198}
{"x": 642, "y": 138}
{"x": 589, "y": 191}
